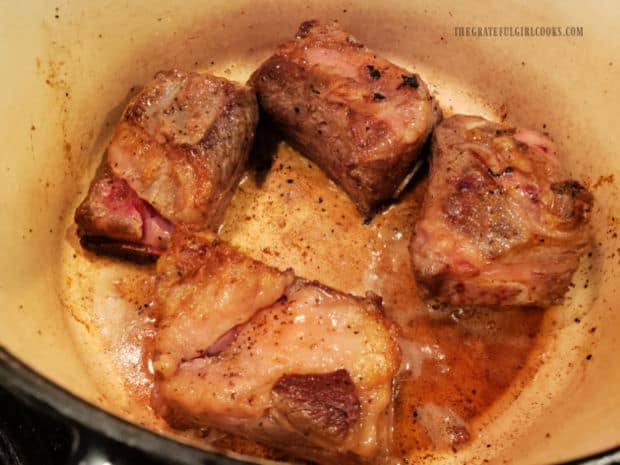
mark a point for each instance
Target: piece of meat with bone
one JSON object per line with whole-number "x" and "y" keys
{"x": 361, "y": 118}
{"x": 246, "y": 348}
{"x": 179, "y": 152}
{"x": 502, "y": 222}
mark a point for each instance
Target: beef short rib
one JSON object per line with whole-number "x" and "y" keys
{"x": 178, "y": 154}
{"x": 502, "y": 222}
{"x": 252, "y": 350}
{"x": 362, "y": 119}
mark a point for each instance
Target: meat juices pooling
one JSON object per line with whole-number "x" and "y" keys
{"x": 258, "y": 352}
{"x": 361, "y": 118}
{"x": 176, "y": 157}
{"x": 502, "y": 222}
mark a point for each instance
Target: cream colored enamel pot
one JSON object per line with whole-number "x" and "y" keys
{"x": 67, "y": 69}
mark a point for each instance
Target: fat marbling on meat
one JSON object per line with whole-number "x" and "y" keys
{"x": 502, "y": 221}
{"x": 259, "y": 352}
{"x": 177, "y": 155}
{"x": 361, "y": 118}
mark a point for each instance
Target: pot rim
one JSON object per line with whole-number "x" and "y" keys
{"x": 47, "y": 396}
{"x": 44, "y": 394}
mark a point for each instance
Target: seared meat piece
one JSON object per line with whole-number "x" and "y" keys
{"x": 181, "y": 146}
{"x": 183, "y": 142}
{"x": 502, "y": 222}
{"x": 246, "y": 348}
{"x": 361, "y": 118}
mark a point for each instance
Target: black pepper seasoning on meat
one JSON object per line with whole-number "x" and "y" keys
{"x": 410, "y": 81}
{"x": 507, "y": 170}
{"x": 374, "y": 72}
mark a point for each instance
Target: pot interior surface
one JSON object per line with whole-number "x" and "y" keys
{"x": 70, "y": 71}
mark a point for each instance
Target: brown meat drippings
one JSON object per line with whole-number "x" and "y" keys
{"x": 461, "y": 360}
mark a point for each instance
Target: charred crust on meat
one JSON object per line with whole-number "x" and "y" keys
{"x": 136, "y": 253}
{"x": 432, "y": 284}
{"x": 377, "y": 96}
{"x": 507, "y": 170}
{"x": 305, "y": 28}
{"x": 374, "y": 299}
{"x": 578, "y": 193}
{"x": 375, "y": 74}
{"x": 408, "y": 81}
{"x": 505, "y": 132}
{"x": 577, "y": 209}
{"x": 324, "y": 404}
{"x": 570, "y": 187}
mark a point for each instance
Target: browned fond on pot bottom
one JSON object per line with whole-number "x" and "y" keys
{"x": 457, "y": 362}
